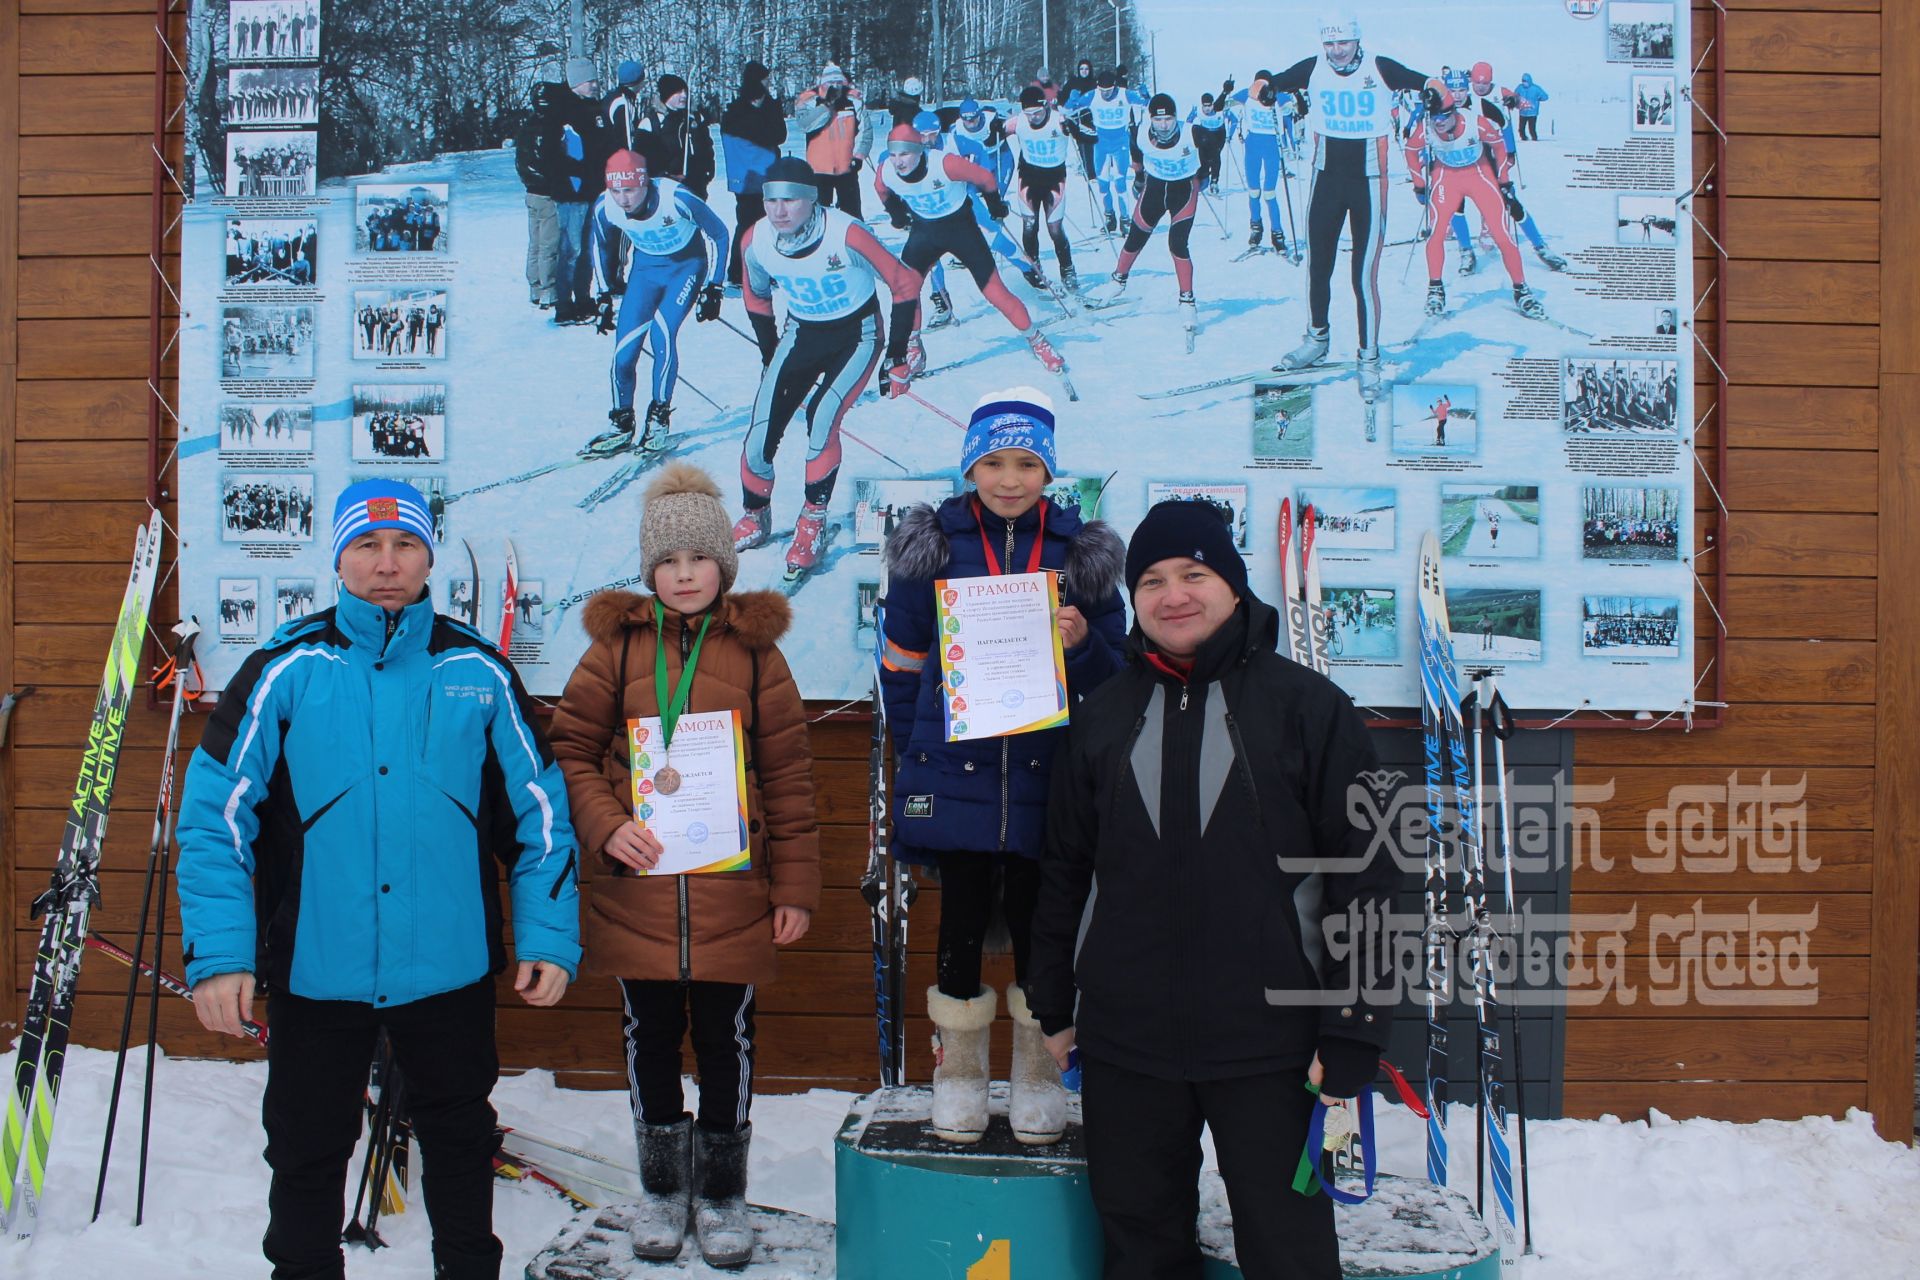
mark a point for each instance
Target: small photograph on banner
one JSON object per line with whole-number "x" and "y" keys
{"x": 694, "y": 796}
{"x": 1002, "y": 667}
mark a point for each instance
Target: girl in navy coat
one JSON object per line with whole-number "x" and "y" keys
{"x": 976, "y": 810}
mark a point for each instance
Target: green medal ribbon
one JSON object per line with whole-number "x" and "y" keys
{"x": 672, "y": 706}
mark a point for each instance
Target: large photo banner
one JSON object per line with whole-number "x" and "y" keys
{"x": 1421, "y": 265}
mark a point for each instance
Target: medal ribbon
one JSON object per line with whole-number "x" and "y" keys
{"x": 994, "y": 568}
{"x": 672, "y": 706}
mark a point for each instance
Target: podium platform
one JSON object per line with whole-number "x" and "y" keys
{"x": 911, "y": 1207}
{"x": 594, "y": 1246}
{"x": 1408, "y": 1229}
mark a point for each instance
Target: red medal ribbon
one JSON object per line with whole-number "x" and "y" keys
{"x": 994, "y": 568}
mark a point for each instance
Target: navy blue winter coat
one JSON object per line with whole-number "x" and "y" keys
{"x": 986, "y": 795}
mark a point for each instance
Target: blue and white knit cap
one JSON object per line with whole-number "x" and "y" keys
{"x": 372, "y": 505}
{"x": 1017, "y": 418}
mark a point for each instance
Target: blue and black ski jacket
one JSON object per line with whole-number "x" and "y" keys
{"x": 342, "y": 816}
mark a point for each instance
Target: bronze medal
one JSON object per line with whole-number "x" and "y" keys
{"x": 667, "y": 781}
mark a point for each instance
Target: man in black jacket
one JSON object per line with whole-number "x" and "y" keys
{"x": 576, "y": 141}
{"x": 752, "y": 132}
{"x": 1207, "y": 787}
{"x": 532, "y": 157}
{"x": 677, "y": 143}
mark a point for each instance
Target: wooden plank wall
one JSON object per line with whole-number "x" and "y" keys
{"x": 1821, "y": 490}
{"x": 1809, "y": 658}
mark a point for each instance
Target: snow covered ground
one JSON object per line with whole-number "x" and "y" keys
{"x": 1698, "y": 1198}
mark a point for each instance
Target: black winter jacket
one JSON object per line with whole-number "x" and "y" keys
{"x": 763, "y": 123}
{"x": 562, "y": 124}
{"x": 530, "y": 145}
{"x": 1214, "y": 816}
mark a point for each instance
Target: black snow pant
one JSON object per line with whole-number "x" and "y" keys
{"x": 1143, "y": 1167}
{"x": 317, "y": 1064}
{"x": 1211, "y": 142}
{"x": 655, "y": 1018}
{"x": 839, "y": 190}
{"x": 748, "y": 208}
{"x": 966, "y": 913}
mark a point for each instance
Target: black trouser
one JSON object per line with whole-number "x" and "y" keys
{"x": 1177, "y": 199}
{"x": 958, "y": 234}
{"x": 966, "y": 911}
{"x": 1530, "y": 128}
{"x": 1359, "y": 203}
{"x": 1143, "y": 1167}
{"x": 840, "y": 190}
{"x": 1211, "y": 143}
{"x": 748, "y": 208}
{"x": 317, "y": 1063}
{"x": 655, "y": 1021}
{"x": 1084, "y": 141}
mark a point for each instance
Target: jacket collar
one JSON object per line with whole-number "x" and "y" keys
{"x": 956, "y": 516}
{"x": 365, "y": 623}
{"x": 1253, "y": 627}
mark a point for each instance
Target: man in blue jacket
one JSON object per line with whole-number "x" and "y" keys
{"x": 337, "y": 834}
{"x": 1529, "y": 97}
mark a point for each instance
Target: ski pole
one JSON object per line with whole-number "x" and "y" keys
{"x": 1426, "y": 230}
{"x": 924, "y": 403}
{"x": 1476, "y": 906}
{"x": 1213, "y": 207}
{"x": 1286, "y": 190}
{"x": 682, "y": 379}
{"x": 748, "y": 338}
{"x": 355, "y": 1233}
{"x": 162, "y": 833}
{"x": 1503, "y": 727}
{"x": 513, "y": 1168}
{"x": 168, "y": 982}
{"x": 507, "y": 1131}
{"x": 878, "y": 452}
{"x": 7, "y": 705}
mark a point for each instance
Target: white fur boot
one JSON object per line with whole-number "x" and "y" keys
{"x": 960, "y": 1030}
{"x": 1038, "y": 1108}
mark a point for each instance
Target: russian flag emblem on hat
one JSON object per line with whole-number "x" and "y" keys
{"x": 379, "y": 509}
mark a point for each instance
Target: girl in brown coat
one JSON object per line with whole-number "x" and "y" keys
{"x": 689, "y": 946}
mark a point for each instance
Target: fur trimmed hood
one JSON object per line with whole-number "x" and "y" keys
{"x": 758, "y": 618}
{"x": 921, "y": 548}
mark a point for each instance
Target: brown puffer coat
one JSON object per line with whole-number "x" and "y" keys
{"x": 715, "y": 927}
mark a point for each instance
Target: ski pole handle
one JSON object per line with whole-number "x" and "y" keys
{"x": 6, "y": 710}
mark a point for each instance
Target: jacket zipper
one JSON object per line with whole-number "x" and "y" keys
{"x": 1006, "y": 803}
{"x": 1240, "y": 759}
{"x": 1182, "y": 965}
{"x": 680, "y": 889}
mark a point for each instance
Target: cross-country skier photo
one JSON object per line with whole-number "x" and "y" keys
{"x": 1350, "y": 91}
{"x": 827, "y": 266}
{"x": 679, "y": 262}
